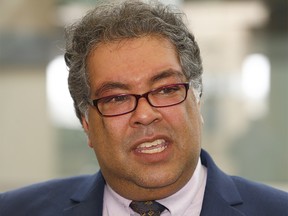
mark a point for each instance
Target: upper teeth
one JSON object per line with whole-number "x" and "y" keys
{"x": 149, "y": 144}
{"x": 152, "y": 147}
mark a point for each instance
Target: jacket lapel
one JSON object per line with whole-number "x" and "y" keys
{"x": 88, "y": 199}
{"x": 221, "y": 196}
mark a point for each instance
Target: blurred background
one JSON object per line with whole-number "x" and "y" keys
{"x": 245, "y": 104}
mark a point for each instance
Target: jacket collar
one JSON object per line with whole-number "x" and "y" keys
{"x": 221, "y": 195}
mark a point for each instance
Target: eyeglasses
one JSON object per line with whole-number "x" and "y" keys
{"x": 120, "y": 104}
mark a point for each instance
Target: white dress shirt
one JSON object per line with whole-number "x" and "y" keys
{"x": 185, "y": 202}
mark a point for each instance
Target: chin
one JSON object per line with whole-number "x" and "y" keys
{"x": 157, "y": 181}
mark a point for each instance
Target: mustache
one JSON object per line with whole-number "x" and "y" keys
{"x": 148, "y": 132}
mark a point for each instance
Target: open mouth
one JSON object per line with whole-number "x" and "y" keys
{"x": 156, "y": 146}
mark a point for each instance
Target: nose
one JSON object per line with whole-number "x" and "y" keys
{"x": 144, "y": 114}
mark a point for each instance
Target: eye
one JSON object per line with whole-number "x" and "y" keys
{"x": 115, "y": 99}
{"x": 167, "y": 90}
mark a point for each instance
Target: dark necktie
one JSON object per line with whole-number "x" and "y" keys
{"x": 147, "y": 208}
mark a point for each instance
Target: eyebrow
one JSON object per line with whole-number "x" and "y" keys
{"x": 111, "y": 85}
{"x": 166, "y": 74}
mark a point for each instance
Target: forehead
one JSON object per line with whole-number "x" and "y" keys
{"x": 132, "y": 60}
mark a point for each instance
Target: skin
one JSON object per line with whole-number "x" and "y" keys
{"x": 137, "y": 66}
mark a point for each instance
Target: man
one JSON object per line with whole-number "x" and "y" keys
{"x": 135, "y": 78}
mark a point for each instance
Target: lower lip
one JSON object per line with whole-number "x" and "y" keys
{"x": 153, "y": 157}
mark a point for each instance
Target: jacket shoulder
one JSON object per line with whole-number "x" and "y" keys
{"x": 232, "y": 195}
{"x": 50, "y": 197}
{"x": 257, "y": 196}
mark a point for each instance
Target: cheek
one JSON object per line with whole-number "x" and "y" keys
{"x": 193, "y": 110}
{"x": 186, "y": 116}
{"x": 116, "y": 127}
{"x": 107, "y": 132}
{"x": 104, "y": 144}
{"x": 187, "y": 122}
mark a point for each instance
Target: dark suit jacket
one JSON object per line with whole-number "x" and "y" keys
{"x": 83, "y": 196}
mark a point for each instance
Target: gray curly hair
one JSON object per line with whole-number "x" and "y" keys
{"x": 118, "y": 21}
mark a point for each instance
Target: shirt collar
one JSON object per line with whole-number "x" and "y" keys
{"x": 191, "y": 194}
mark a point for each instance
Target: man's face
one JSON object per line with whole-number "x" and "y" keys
{"x": 151, "y": 152}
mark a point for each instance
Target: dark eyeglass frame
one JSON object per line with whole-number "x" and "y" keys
{"x": 95, "y": 102}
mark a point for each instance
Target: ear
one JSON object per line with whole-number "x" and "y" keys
{"x": 85, "y": 125}
{"x": 202, "y": 120}
{"x": 199, "y": 107}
